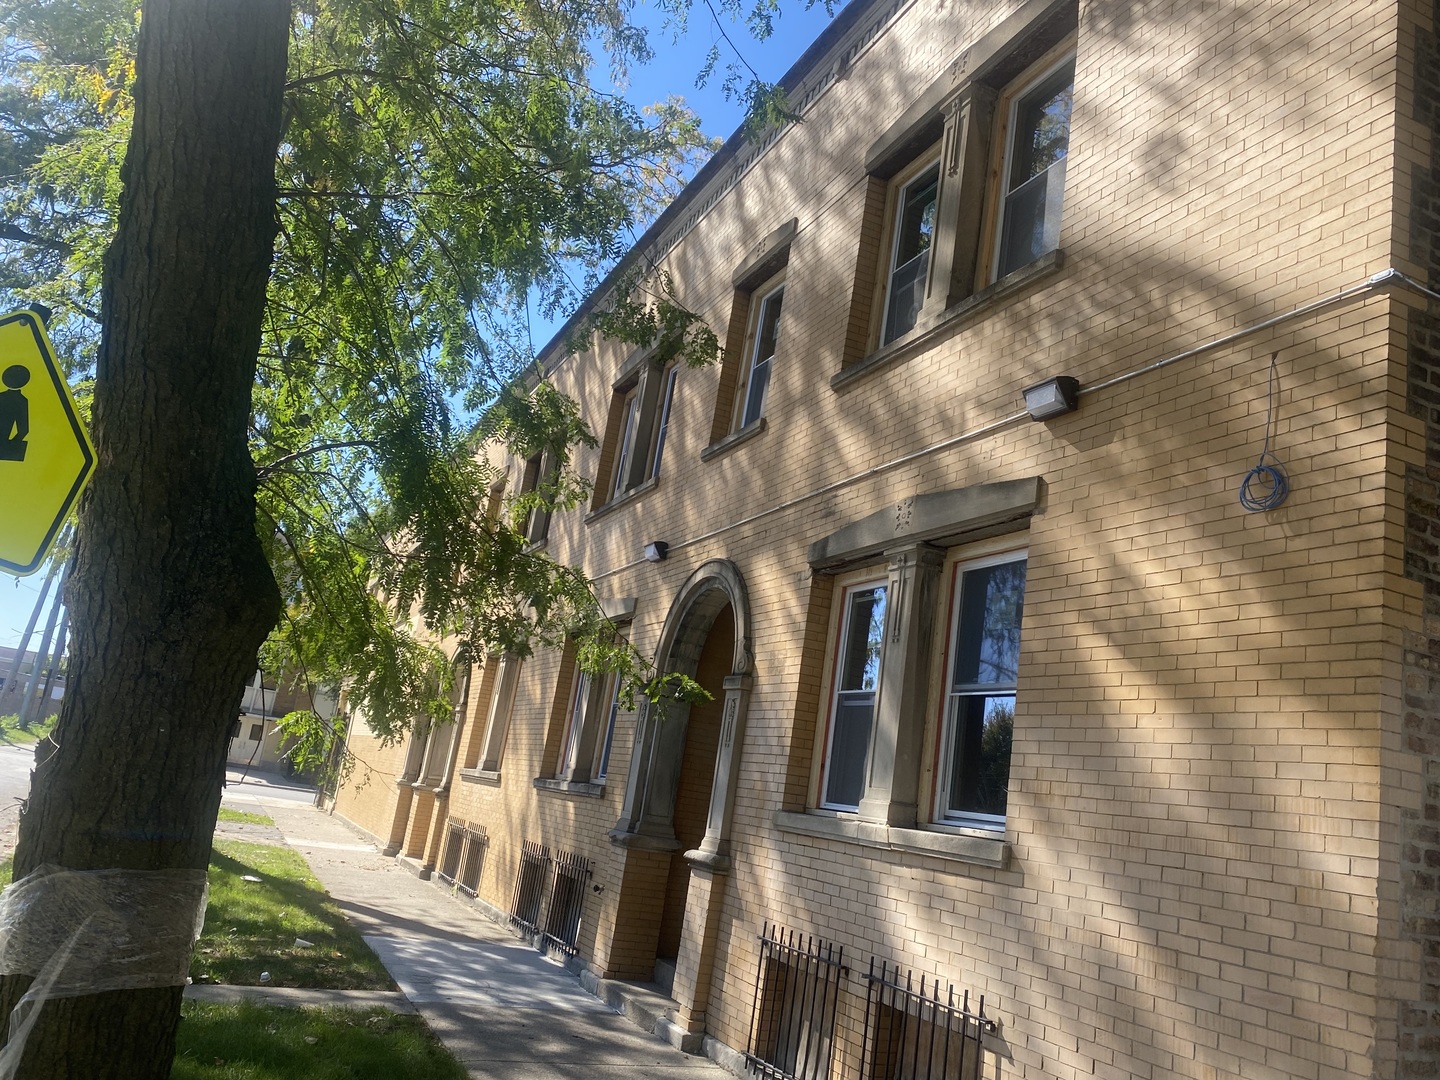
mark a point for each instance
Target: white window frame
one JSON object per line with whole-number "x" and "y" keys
{"x": 606, "y": 739}
{"x": 1061, "y": 55}
{"x": 592, "y": 701}
{"x": 907, "y": 180}
{"x": 502, "y": 707}
{"x": 625, "y": 444}
{"x": 941, "y": 814}
{"x": 838, "y": 641}
{"x": 662, "y": 420}
{"x": 759, "y": 305}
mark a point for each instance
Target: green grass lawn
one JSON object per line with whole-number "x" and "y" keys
{"x": 251, "y": 926}
{"x": 246, "y": 1041}
{"x": 244, "y": 817}
{"x": 11, "y": 731}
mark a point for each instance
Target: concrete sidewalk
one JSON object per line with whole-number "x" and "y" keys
{"x": 500, "y": 1007}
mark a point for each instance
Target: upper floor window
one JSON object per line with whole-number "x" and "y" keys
{"x": 538, "y": 473}
{"x": 640, "y": 425}
{"x": 662, "y": 426}
{"x": 625, "y": 450}
{"x": 1036, "y": 153}
{"x": 981, "y": 675}
{"x": 914, "y": 230}
{"x": 764, "y": 338}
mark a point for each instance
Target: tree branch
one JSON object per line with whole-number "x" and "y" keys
{"x": 10, "y": 231}
{"x": 265, "y": 470}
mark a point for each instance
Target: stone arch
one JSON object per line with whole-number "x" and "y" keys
{"x": 647, "y": 819}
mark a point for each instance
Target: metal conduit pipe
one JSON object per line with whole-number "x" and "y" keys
{"x": 1388, "y": 278}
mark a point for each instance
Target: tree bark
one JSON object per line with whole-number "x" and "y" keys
{"x": 171, "y": 592}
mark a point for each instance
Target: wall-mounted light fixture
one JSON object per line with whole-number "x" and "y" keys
{"x": 1053, "y": 397}
{"x": 657, "y": 551}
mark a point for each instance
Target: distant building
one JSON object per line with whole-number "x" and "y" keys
{"x": 51, "y": 689}
{"x": 255, "y": 739}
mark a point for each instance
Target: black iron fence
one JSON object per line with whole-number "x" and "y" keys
{"x": 567, "y": 900}
{"x": 464, "y": 855}
{"x": 792, "y": 1020}
{"x": 918, "y": 1033}
{"x": 530, "y": 886}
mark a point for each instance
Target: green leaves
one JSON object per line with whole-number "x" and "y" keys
{"x": 441, "y": 162}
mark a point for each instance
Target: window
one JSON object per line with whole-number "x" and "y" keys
{"x": 538, "y": 476}
{"x": 751, "y": 336}
{"x": 639, "y": 429}
{"x": 979, "y": 717}
{"x": 915, "y": 206}
{"x": 626, "y": 449}
{"x": 763, "y": 338}
{"x": 667, "y": 397}
{"x": 602, "y": 763}
{"x": 589, "y": 728}
{"x": 502, "y": 703}
{"x": 856, "y": 684}
{"x": 257, "y": 732}
{"x": 1036, "y": 153}
{"x": 935, "y": 234}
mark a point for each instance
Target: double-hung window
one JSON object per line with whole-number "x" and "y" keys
{"x": 1037, "y": 150}
{"x": 607, "y": 737}
{"x": 977, "y": 654}
{"x": 766, "y": 337}
{"x": 625, "y": 448}
{"x": 914, "y": 229}
{"x": 856, "y": 683}
{"x": 589, "y": 728}
{"x": 537, "y": 482}
{"x": 641, "y": 429}
{"x": 662, "y": 425}
{"x": 979, "y": 707}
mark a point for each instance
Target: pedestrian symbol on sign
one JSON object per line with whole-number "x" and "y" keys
{"x": 14, "y": 413}
{"x": 45, "y": 454}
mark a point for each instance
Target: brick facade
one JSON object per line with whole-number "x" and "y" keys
{"x": 1219, "y": 852}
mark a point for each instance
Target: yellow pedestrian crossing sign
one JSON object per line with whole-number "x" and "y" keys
{"x": 46, "y": 457}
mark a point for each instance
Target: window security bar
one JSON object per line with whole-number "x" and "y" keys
{"x": 464, "y": 856}
{"x": 454, "y": 847}
{"x": 567, "y": 900}
{"x": 918, "y": 1034}
{"x": 530, "y": 885}
{"x": 477, "y": 843}
{"x": 792, "y": 1020}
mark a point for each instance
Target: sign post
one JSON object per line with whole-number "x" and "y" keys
{"x": 46, "y": 457}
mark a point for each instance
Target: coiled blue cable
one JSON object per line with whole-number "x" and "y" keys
{"x": 1266, "y": 486}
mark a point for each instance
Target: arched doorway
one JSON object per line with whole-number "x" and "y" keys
{"x": 680, "y": 794}
{"x": 696, "y": 783}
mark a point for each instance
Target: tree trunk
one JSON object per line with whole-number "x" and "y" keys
{"x": 171, "y": 593}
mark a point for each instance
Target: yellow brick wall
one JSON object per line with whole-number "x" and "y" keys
{"x": 1209, "y": 771}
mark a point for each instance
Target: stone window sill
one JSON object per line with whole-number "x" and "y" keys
{"x": 957, "y": 847}
{"x": 570, "y": 787}
{"x": 734, "y": 439}
{"x": 622, "y": 500}
{"x": 952, "y": 318}
{"x": 481, "y": 776}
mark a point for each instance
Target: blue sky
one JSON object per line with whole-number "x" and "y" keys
{"x": 671, "y": 73}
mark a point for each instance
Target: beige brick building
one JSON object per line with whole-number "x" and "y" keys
{"x": 1036, "y": 708}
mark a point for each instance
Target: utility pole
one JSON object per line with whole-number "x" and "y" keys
{"x": 54, "y": 665}
{"x": 14, "y": 673}
{"x": 25, "y": 702}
